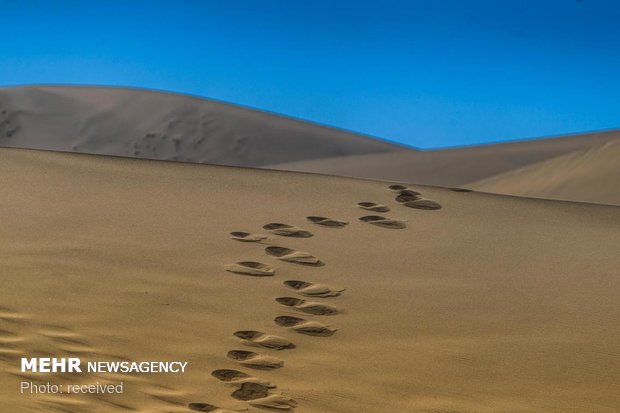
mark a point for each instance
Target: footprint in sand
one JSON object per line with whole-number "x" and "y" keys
{"x": 327, "y": 222}
{"x": 286, "y": 230}
{"x": 308, "y": 307}
{"x": 206, "y": 407}
{"x": 371, "y": 206}
{"x": 247, "y": 237}
{"x": 296, "y": 257}
{"x": 313, "y": 290}
{"x": 254, "y": 360}
{"x": 275, "y": 402}
{"x": 250, "y": 391}
{"x": 301, "y": 326}
{"x": 426, "y": 204}
{"x": 258, "y": 339}
{"x": 383, "y": 222}
{"x": 255, "y": 269}
{"x": 413, "y": 199}
{"x": 407, "y": 195}
{"x": 397, "y": 187}
{"x": 237, "y": 377}
{"x": 460, "y": 190}
{"x": 260, "y": 396}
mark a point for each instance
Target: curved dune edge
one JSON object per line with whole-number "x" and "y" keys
{"x": 581, "y": 167}
{"x": 489, "y": 304}
{"x": 148, "y": 124}
{"x": 588, "y": 175}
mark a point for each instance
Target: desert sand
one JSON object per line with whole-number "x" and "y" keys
{"x": 165, "y": 126}
{"x": 478, "y": 303}
{"x": 587, "y": 175}
{"x": 487, "y": 167}
{"x": 154, "y": 125}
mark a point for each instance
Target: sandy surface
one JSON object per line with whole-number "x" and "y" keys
{"x": 588, "y": 175}
{"x": 146, "y": 124}
{"x": 459, "y": 166}
{"x": 489, "y": 304}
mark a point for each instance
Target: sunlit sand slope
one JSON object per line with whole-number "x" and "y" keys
{"x": 454, "y": 166}
{"x": 448, "y": 302}
{"x": 589, "y": 175}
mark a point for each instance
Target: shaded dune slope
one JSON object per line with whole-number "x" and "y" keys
{"x": 588, "y": 175}
{"x": 165, "y": 126}
{"x": 454, "y": 166}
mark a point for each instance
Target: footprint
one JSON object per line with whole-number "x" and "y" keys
{"x": 256, "y": 338}
{"x": 383, "y": 222}
{"x": 423, "y": 204}
{"x": 301, "y": 326}
{"x": 238, "y": 377}
{"x": 287, "y": 230}
{"x": 313, "y": 290}
{"x": 205, "y": 407}
{"x": 297, "y": 257}
{"x": 247, "y": 237}
{"x": 254, "y": 360}
{"x": 202, "y": 407}
{"x": 371, "y": 206}
{"x": 259, "y": 396}
{"x": 275, "y": 401}
{"x": 327, "y": 222}
{"x": 308, "y": 307}
{"x": 250, "y": 391}
{"x": 407, "y": 195}
{"x": 397, "y": 187}
{"x": 460, "y": 190}
{"x": 252, "y": 268}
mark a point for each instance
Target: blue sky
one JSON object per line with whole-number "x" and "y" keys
{"x": 425, "y": 73}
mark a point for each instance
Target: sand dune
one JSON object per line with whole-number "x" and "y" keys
{"x": 451, "y": 167}
{"x": 489, "y": 304}
{"x": 589, "y": 175}
{"x": 153, "y": 125}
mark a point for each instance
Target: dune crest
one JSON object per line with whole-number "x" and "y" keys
{"x": 165, "y": 126}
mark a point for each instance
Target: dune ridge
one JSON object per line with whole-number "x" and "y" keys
{"x": 456, "y": 167}
{"x": 165, "y": 126}
{"x": 587, "y": 175}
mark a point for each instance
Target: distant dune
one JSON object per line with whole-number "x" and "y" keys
{"x": 588, "y": 175}
{"x": 165, "y": 126}
{"x": 302, "y": 293}
{"x": 454, "y": 166}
